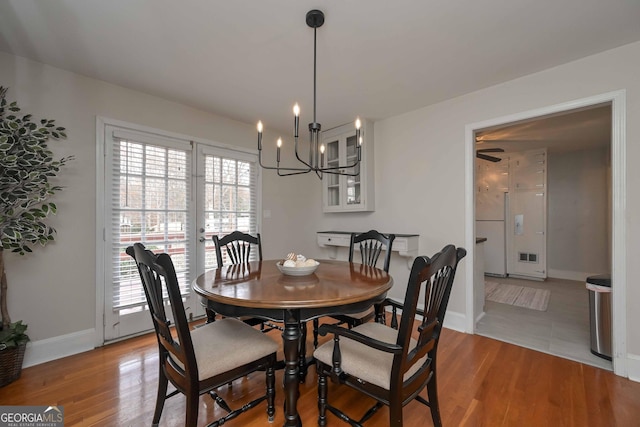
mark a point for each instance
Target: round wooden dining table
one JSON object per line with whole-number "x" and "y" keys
{"x": 259, "y": 289}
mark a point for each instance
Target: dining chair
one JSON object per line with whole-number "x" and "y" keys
{"x": 199, "y": 361}
{"x": 393, "y": 366}
{"x": 236, "y": 248}
{"x": 371, "y": 244}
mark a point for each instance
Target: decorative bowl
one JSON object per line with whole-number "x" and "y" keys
{"x": 297, "y": 271}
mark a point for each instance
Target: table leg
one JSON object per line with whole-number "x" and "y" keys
{"x": 291, "y": 341}
{"x": 211, "y": 315}
{"x": 302, "y": 351}
{"x": 380, "y": 315}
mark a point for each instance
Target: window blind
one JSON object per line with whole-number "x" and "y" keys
{"x": 150, "y": 204}
{"x": 230, "y": 196}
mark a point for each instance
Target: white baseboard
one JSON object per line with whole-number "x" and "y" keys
{"x": 456, "y": 321}
{"x": 579, "y": 276}
{"x": 633, "y": 367}
{"x": 452, "y": 320}
{"x": 42, "y": 351}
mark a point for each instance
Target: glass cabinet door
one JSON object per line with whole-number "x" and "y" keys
{"x": 353, "y": 182}
{"x": 353, "y": 192}
{"x": 333, "y": 181}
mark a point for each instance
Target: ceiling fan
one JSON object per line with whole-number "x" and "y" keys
{"x": 480, "y": 154}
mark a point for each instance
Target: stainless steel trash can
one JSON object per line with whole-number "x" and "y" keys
{"x": 600, "y": 314}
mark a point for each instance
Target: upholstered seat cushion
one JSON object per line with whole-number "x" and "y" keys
{"x": 362, "y": 314}
{"x": 364, "y": 362}
{"x": 227, "y": 343}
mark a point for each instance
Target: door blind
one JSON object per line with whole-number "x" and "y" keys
{"x": 230, "y": 196}
{"x": 150, "y": 204}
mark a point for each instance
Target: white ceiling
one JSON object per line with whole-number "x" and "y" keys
{"x": 573, "y": 130}
{"x": 252, "y": 59}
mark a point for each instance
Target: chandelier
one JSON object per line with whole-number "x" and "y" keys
{"x": 316, "y": 162}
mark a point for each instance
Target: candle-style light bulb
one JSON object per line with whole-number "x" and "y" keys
{"x": 296, "y": 119}
{"x": 279, "y": 143}
{"x": 322, "y": 155}
{"x": 259, "y": 135}
{"x": 359, "y": 138}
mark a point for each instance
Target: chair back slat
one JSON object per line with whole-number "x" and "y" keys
{"x": 371, "y": 244}
{"x": 237, "y": 247}
{"x": 434, "y": 278}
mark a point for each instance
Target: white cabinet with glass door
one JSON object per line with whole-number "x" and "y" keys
{"x": 342, "y": 193}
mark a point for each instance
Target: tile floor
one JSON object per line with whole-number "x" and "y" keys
{"x": 562, "y": 330}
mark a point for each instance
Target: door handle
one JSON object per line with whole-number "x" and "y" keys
{"x": 201, "y": 240}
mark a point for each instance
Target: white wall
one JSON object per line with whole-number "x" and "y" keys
{"x": 420, "y": 178}
{"x": 578, "y": 231}
{"x": 53, "y": 289}
{"x": 421, "y": 157}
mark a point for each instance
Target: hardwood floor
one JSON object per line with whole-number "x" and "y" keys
{"x": 482, "y": 382}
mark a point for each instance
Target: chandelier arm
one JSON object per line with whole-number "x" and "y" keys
{"x": 332, "y": 172}
{"x": 295, "y": 149}
{"x": 356, "y": 163}
{"x": 292, "y": 173}
{"x": 278, "y": 168}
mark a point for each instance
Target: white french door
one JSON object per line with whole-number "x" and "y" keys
{"x": 171, "y": 195}
{"x": 227, "y": 191}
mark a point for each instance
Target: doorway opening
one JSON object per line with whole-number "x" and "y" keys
{"x": 490, "y": 131}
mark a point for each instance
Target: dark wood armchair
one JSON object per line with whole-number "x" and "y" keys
{"x": 371, "y": 244}
{"x": 199, "y": 361}
{"x": 239, "y": 248}
{"x": 393, "y": 366}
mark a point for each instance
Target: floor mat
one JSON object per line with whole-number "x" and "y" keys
{"x": 521, "y": 296}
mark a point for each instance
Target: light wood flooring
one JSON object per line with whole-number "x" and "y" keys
{"x": 482, "y": 382}
{"x": 562, "y": 330}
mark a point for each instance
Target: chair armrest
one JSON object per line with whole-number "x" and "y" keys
{"x": 391, "y": 302}
{"x": 363, "y": 339}
{"x": 398, "y": 305}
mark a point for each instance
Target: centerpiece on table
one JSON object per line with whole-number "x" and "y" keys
{"x": 297, "y": 265}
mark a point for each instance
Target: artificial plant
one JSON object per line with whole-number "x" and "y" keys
{"x": 26, "y": 169}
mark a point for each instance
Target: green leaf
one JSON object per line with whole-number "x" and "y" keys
{"x": 26, "y": 166}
